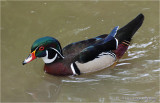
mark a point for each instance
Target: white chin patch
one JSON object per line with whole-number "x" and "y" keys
{"x": 46, "y": 60}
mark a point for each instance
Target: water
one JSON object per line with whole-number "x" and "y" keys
{"x": 134, "y": 79}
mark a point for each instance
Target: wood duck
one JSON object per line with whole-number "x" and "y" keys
{"x": 87, "y": 55}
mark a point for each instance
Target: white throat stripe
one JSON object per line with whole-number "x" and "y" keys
{"x": 46, "y": 60}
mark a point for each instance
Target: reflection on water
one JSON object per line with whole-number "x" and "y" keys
{"x": 134, "y": 79}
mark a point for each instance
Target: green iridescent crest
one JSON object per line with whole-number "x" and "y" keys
{"x": 46, "y": 42}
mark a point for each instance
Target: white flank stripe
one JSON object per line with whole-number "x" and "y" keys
{"x": 73, "y": 70}
{"x": 116, "y": 43}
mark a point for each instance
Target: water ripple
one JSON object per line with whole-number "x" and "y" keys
{"x": 122, "y": 64}
{"x": 153, "y": 61}
{"x": 156, "y": 70}
{"x": 140, "y": 45}
{"x": 106, "y": 76}
{"x": 80, "y": 80}
{"x": 76, "y": 31}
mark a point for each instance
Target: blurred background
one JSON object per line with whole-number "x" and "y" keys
{"x": 134, "y": 79}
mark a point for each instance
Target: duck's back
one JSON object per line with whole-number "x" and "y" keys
{"x": 74, "y": 49}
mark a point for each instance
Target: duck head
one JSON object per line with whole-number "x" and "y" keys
{"x": 47, "y": 48}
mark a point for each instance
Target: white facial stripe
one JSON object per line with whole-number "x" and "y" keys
{"x": 46, "y": 60}
{"x": 58, "y": 52}
{"x": 73, "y": 70}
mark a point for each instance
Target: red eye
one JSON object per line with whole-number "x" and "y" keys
{"x": 41, "y": 48}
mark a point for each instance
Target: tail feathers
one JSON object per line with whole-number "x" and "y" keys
{"x": 126, "y": 32}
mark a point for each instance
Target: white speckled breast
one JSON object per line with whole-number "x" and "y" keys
{"x": 103, "y": 61}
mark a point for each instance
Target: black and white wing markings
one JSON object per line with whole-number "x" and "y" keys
{"x": 91, "y": 52}
{"x": 107, "y": 53}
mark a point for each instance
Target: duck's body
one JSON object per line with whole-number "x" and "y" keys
{"x": 84, "y": 56}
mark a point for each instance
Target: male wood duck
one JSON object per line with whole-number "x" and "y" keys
{"x": 84, "y": 56}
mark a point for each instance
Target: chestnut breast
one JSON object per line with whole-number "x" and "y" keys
{"x": 58, "y": 69}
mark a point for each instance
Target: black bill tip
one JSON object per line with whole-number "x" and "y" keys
{"x": 23, "y": 63}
